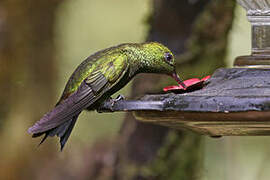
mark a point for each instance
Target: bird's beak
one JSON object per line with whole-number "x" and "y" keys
{"x": 178, "y": 80}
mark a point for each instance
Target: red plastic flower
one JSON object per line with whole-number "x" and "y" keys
{"x": 191, "y": 85}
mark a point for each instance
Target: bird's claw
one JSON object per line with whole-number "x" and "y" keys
{"x": 120, "y": 97}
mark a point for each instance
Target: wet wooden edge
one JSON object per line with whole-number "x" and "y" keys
{"x": 235, "y": 102}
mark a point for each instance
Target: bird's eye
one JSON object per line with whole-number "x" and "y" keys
{"x": 168, "y": 57}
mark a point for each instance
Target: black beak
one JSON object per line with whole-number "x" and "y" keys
{"x": 178, "y": 80}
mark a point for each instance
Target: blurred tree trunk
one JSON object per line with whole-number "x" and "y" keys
{"x": 27, "y": 74}
{"x": 197, "y": 32}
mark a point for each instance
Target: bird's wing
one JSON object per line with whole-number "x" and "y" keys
{"x": 90, "y": 90}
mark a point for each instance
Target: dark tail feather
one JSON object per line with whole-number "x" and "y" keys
{"x": 62, "y": 131}
{"x": 67, "y": 132}
{"x": 61, "y": 119}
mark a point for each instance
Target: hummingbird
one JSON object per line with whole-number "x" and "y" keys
{"x": 97, "y": 78}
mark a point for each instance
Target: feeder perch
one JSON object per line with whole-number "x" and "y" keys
{"x": 235, "y": 101}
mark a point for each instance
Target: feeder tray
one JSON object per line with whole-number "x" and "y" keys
{"x": 235, "y": 101}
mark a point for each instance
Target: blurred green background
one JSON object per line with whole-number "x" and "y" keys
{"x": 83, "y": 27}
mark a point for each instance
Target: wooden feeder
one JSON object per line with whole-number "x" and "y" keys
{"x": 235, "y": 101}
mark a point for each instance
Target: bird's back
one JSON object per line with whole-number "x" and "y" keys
{"x": 86, "y": 67}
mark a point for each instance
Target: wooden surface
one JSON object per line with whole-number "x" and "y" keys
{"x": 234, "y": 102}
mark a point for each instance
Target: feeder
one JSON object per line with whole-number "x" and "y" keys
{"x": 235, "y": 101}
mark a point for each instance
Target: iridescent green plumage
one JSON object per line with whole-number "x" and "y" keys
{"x": 97, "y": 78}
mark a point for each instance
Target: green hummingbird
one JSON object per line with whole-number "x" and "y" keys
{"x": 97, "y": 78}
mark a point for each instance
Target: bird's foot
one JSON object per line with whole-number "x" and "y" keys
{"x": 120, "y": 97}
{"x": 112, "y": 103}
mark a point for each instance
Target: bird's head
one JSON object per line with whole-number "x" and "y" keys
{"x": 157, "y": 58}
